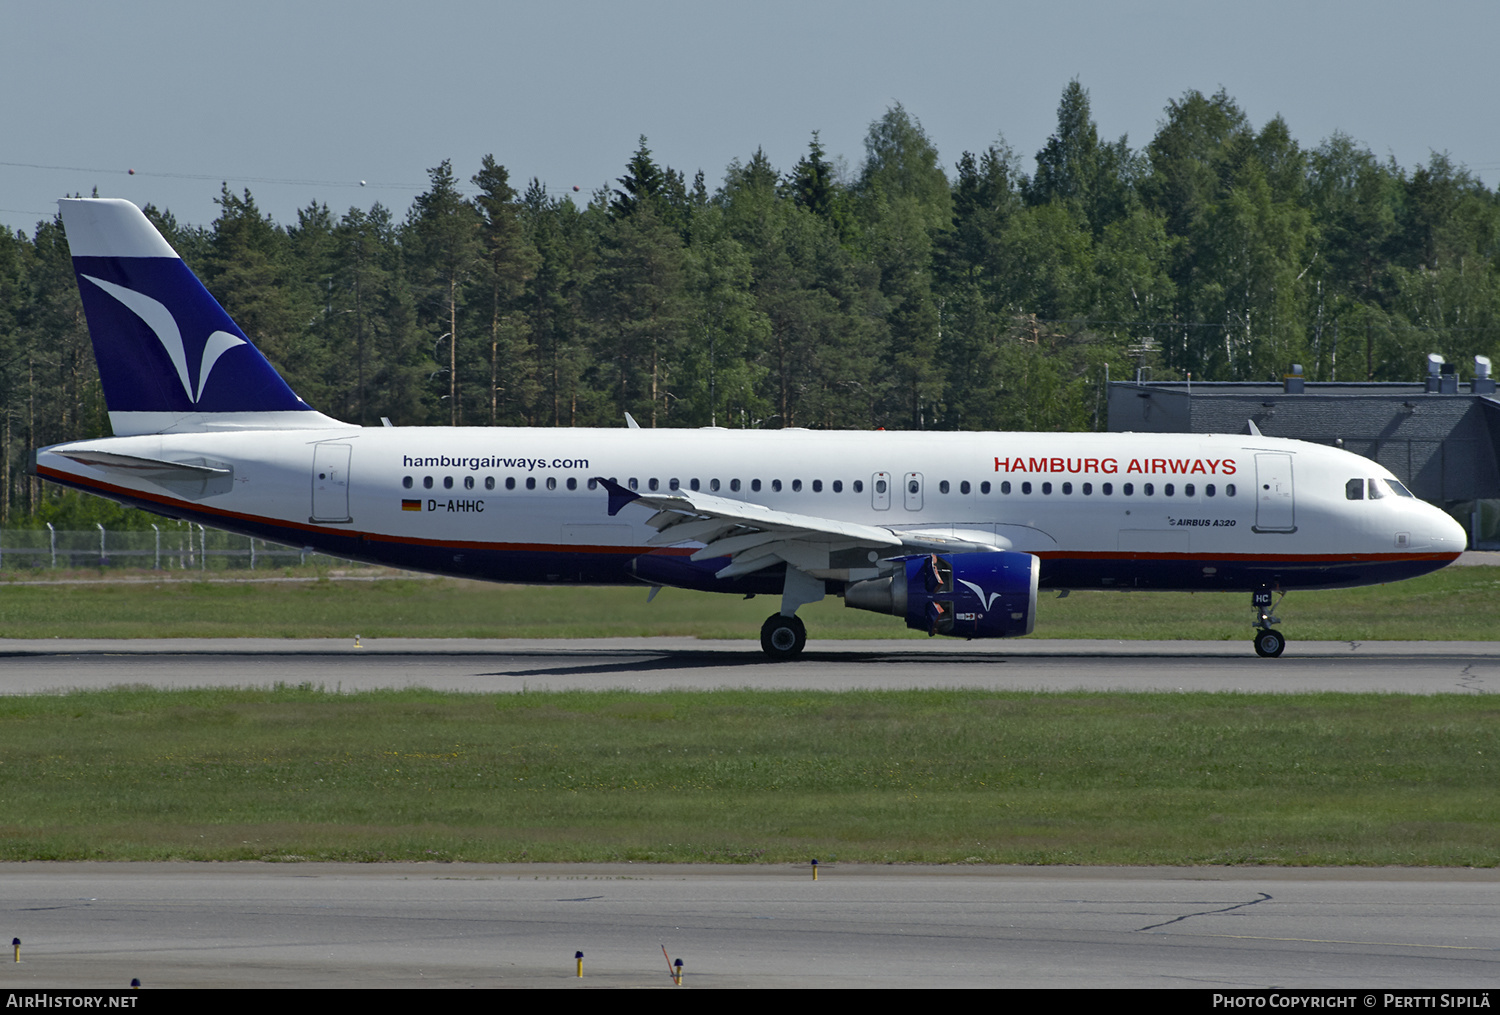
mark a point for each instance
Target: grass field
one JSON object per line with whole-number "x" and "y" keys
{"x": 1459, "y": 603}
{"x": 936, "y": 776}
{"x": 932, "y": 776}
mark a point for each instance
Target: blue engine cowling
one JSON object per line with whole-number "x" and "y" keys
{"x": 966, "y": 595}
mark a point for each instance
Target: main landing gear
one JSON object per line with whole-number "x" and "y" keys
{"x": 783, "y": 635}
{"x": 1268, "y": 643}
{"x": 782, "y": 638}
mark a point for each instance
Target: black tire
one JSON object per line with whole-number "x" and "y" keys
{"x": 782, "y": 638}
{"x": 1269, "y": 644}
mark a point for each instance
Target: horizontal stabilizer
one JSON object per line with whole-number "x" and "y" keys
{"x": 193, "y": 480}
{"x": 111, "y": 460}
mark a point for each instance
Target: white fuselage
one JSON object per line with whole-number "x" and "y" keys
{"x": 1099, "y": 510}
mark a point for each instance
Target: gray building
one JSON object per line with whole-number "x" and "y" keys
{"x": 1438, "y": 436}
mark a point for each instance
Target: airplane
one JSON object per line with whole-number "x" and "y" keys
{"x": 956, "y": 533}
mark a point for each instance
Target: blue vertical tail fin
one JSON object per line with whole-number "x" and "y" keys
{"x": 170, "y": 358}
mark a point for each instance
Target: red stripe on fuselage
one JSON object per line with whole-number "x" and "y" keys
{"x": 85, "y": 483}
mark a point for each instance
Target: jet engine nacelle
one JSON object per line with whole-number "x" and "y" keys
{"x": 967, "y": 595}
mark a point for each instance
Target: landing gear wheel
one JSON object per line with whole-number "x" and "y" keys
{"x": 1269, "y": 644}
{"x": 782, "y": 638}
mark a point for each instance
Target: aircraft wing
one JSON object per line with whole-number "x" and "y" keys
{"x": 754, "y": 536}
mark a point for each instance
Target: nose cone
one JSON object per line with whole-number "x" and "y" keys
{"x": 1448, "y": 535}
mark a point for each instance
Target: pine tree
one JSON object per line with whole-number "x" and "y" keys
{"x": 443, "y": 237}
{"x": 509, "y": 261}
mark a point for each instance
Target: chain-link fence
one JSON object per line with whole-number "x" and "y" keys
{"x": 169, "y": 547}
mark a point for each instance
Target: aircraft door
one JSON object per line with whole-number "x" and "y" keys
{"x": 911, "y": 485}
{"x": 330, "y": 483}
{"x": 880, "y": 491}
{"x": 1275, "y": 508}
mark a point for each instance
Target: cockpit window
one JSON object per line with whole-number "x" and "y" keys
{"x": 1401, "y": 491}
{"x": 1375, "y": 490}
{"x": 1355, "y": 489}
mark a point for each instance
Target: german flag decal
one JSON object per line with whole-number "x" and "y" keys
{"x": 411, "y": 505}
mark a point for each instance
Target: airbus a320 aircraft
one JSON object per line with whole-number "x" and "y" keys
{"x": 954, "y": 532}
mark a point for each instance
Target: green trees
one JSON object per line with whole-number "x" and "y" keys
{"x": 901, "y": 294}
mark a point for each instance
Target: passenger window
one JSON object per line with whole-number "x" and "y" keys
{"x": 406, "y": 482}
{"x": 489, "y": 483}
{"x": 1147, "y": 489}
{"x": 693, "y": 485}
{"x": 447, "y": 482}
{"x": 510, "y": 482}
{"x": 1047, "y": 488}
{"x": 734, "y": 486}
{"x": 755, "y": 486}
{"x": 531, "y": 482}
{"x": 1005, "y": 486}
{"x": 593, "y": 484}
{"x": 468, "y": 482}
{"x": 859, "y": 486}
{"x": 653, "y": 483}
{"x": 984, "y": 487}
{"x": 1354, "y": 489}
{"x": 1208, "y": 491}
{"x": 943, "y": 486}
{"x": 1026, "y": 487}
{"x": 1187, "y": 491}
{"x": 964, "y": 487}
{"x": 1067, "y": 488}
{"x": 817, "y": 486}
{"x": 1166, "y": 491}
{"x": 674, "y": 484}
{"x": 838, "y": 486}
{"x": 796, "y": 486}
{"x": 713, "y": 486}
{"x": 1229, "y": 489}
{"x": 1108, "y": 489}
{"x": 879, "y": 486}
{"x": 1128, "y": 489}
{"x": 1088, "y": 488}
{"x": 552, "y": 482}
{"x": 633, "y": 483}
{"x": 572, "y": 483}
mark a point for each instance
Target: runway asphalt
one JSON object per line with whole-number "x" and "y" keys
{"x": 647, "y": 664}
{"x": 466, "y": 925}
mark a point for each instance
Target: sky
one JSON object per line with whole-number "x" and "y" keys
{"x": 301, "y": 101}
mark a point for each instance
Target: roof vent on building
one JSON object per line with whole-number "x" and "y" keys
{"x": 1294, "y": 380}
{"x": 1483, "y": 383}
{"x": 1435, "y": 371}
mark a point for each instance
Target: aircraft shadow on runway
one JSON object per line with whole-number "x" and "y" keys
{"x": 697, "y": 659}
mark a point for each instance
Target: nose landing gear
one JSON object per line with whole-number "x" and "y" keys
{"x": 1268, "y": 643}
